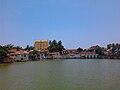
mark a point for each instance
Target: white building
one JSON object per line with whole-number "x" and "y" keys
{"x": 21, "y": 56}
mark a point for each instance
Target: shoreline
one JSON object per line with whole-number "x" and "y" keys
{"x": 54, "y": 60}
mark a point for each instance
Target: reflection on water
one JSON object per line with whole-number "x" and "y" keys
{"x": 61, "y": 75}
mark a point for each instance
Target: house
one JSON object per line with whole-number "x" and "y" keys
{"x": 89, "y": 55}
{"x": 113, "y": 53}
{"x": 77, "y": 55}
{"x": 6, "y": 59}
{"x": 43, "y": 54}
{"x": 34, "y": 55}
{"x": 55, "y": 55}
{"x": 16, "y": 55}
{"x": 108, "y": 52}
{"x": 38, "y": 54}
{"x": 21, "y": 55}
{"x": 93, "y": 48}
{"x": 69, "y": 51}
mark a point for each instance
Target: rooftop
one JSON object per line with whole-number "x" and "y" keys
{"x": 41, "y": 40}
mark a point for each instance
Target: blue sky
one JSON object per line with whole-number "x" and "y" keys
{"x": 78, "y": 23}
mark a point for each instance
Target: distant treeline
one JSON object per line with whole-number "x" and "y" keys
{"x": 113, "y": 45}
{"x": 55, "y": 46}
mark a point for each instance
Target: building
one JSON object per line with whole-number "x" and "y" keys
{"x": 55, "y": 55}
{"x": 21, "y": 56}
{"x": 41, "y": 45}
{"x": 89, "y": 55}
{"x": 69, "y": 51}
{"x": 74, "y": 56}
{"x": 93, "y": 48}
{"x": 43, "y": 54}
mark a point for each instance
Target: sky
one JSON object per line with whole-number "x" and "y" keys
{"x": 78, "y": 23}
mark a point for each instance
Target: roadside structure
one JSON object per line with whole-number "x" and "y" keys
{"x": 41, "y": 45}
{"x": 89, "y": 55}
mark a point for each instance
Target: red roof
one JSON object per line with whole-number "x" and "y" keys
{"x": 15, "y": 51}
{"x": 54, "y": 53}
{"x": 44, "y": 51}
{"x": 93, "y": 47}
{"x": 88, "y": 53}
{"x": 73, "y": 51}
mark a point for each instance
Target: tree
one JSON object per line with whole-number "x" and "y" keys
{"x": 79, "y": 49}
{"x": 117, "y": 45}
{"x": 18, "y": 48}
{"x": 54, "y": 43}
{"x": 109, "y": 46}
{"x": 60, "y": 47}
{"x": 99, "y": 51}
{"x": 9, "y": 46}
{"x": 29, "y": 47}
{"x": 113, "y": 45}
{"x": 50, "y": 43}
{"x": 85, "y": 50}
{"x": 55, "y": 46}
{"x": 3, "y": 51}
{"x": 60, "y": 43}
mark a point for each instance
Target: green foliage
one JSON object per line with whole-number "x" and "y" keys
{"x": 55, "y": 46}
{"x": 85, "y": 50}
{"x": 9, "y": 46}
{"x": 99, "y": 51}
{"x": 50, "y": 43}
{"x": 113, "y": 45}
{"x": 17, "y": 47}
{"x": 3, "y": 51}
{"x": 29, "y": 47}
{"x": 79, "y": 49}
{"x": 35, "y": 52}
{"x": 109, "y": 46}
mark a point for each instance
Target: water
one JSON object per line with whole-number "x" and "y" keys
{"x": 61, "y": 75}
